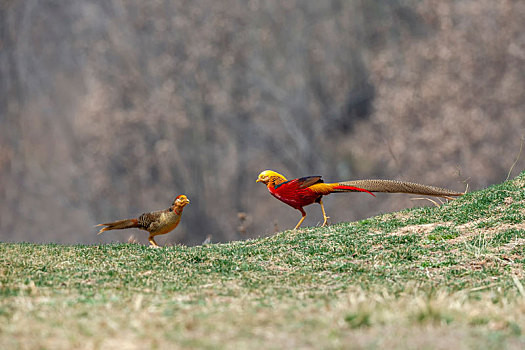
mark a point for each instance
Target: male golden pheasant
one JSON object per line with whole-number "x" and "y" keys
{"x": 156, "y": 223}
{"x": 304, "y": 191}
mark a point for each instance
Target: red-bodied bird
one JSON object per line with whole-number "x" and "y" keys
{"x": 304, "y": 191}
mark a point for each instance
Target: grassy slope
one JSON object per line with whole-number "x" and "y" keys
{"x": 423, "y": 278}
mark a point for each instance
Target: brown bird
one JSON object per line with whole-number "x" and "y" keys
{"x": 304, "y": 191}
{"x": 156, "y": 223}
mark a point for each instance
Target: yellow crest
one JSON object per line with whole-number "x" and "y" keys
{"x": 268, "y": 175}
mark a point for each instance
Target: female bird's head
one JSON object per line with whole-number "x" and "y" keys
{"x": 181, "y": 201}
{"x": 270, "y": 178}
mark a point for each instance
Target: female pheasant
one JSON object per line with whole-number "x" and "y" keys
{"x": 156, "y": 223}
{"x": 304, "y": 191}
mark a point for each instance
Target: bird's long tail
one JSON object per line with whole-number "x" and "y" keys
{"x": 394, "y": 186}
{"x": 119, "y": 225}
{"x": 345, "y": 187}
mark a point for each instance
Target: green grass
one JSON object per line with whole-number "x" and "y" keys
{"x": 434, "y": 278}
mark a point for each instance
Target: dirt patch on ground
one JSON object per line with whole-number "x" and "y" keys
{"x": 513, "y": 244}
{"x": 520, "y": 182}
{"x": 470, "y": 230}
{"x": 466, "y": 231}
{"x": 420, "y": 229}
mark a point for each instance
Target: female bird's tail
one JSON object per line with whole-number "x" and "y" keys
{"x": 119, "y": 225}
{"x": 394, "y": 186}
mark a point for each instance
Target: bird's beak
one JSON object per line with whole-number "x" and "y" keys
{"x": 258, "y": 180}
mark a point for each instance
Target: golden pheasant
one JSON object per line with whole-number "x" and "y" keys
{"x": 304, "y": 191}
{"x": 156, "y": 223}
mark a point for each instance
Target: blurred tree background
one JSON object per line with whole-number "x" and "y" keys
{"x": 111, "y": 108}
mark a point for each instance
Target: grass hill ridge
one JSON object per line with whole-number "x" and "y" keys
{"x": 429, "y": 277}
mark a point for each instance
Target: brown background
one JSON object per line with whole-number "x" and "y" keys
{"x": 110, "y": 108}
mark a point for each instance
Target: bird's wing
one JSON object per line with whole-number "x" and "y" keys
{"x": 149, "y": 221}
{"x": 308, "y": 181}
{"x": 302, "y": 182}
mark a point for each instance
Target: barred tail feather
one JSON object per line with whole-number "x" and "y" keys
{"x": 119, "y": 225}
{"x": 394, "y": 186}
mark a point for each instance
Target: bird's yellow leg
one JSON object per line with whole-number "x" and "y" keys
{"x": 152, "y": 242}
{"x": 324, "y": 214}
{"x": 302, "y": 219}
